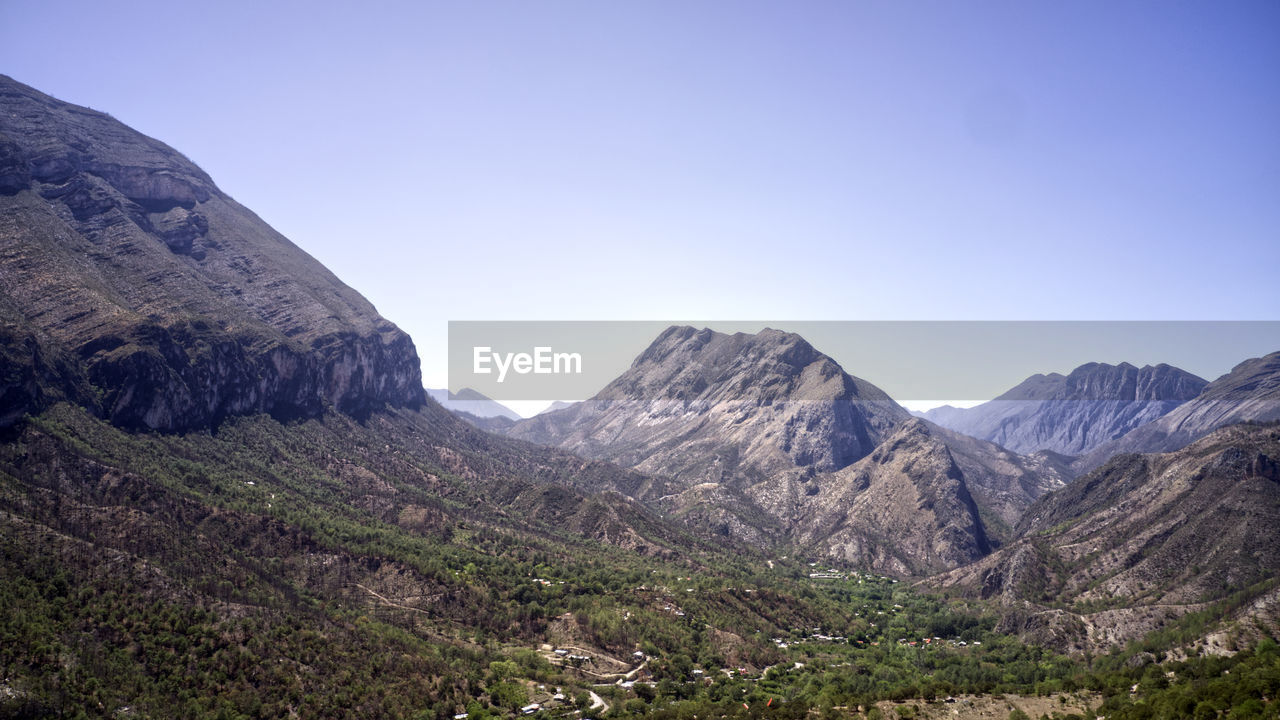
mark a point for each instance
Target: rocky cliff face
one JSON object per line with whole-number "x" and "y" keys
{"x": 1140, "y": 541}
{"x": 1249, "y": 393}
{"x": 1003, "y": 483}
{"x": 154, "y": 299}
{"x": 1076, "y": 413}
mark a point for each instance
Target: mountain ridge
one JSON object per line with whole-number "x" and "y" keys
{"x": 157, "y": 301}
{"x": 1249, "y": 392}
{"x": 1074, "y": 414}
{"x": 1173, "y": 532}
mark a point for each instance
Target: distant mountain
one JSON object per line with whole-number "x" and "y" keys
{"x": 1142, "y": 541}
{"x": 763, "y": 438}
{"x": 1250, "y": 392}
{"x": 135, "y": 287}
{"x": 473, "y": 403}
{"x": 557, "y": 405}
{"x": 1076, "y": 413}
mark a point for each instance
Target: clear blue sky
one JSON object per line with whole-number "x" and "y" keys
{"x": 738, "y": 160}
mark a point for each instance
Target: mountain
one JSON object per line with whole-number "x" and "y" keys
{"x": 134, "y": 287}
{"x": 107, "y": 305}
{"x": 557, "y": 405}
{"x": 1142, "y": 541}
{"x": 905, "y": 509}
{"x": 473, "y": 403}
{"x": 701, "y": 406}
{"x": 1003, "y": 483}
{"x": 763, "y": 438}
{"x": 1249, "y": 393}
{"x": 1076, "y": 413}
{"x": 223, "y": 493}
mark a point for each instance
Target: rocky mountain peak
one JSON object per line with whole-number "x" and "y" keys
{"x": 763, "y": 438}
{"x": 910, "y": 489}
{"x": 689, "y": 364}
{"x": 1101, "y": 381}
{"x": 772, "y": 397}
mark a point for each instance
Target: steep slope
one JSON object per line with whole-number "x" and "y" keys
{"x": 905, "y": 508}
{"x": 1003, "y": 483}
{"x": 1075, "y": 413}
{"x": 1250, "y": 392}
{"x": 147, "y": 295}
{"x": 310, "y": 536}
{"x": 380, "y": 565}
{"x": 1141, "y": 541}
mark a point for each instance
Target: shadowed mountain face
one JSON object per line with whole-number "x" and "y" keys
{"x": 1076, "y": 413}
{"x": 1141, "y": 541}
{"x": 904, "y": 508}
{"x": 763, "y": 438}
{"x": 133, "y": 286}
{"x": 1249, "y": 393}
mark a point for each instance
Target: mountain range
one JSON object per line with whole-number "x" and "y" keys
{"x": 1249, "y": 393}
{"x": 471, "y": 404}
{"x": 1074, "y": 414}
{"x": 224, "y": 490}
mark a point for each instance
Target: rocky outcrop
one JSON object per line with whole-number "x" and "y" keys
{"x": 156, "y": 300}
{"x": 1076, "y": 413}
{"x": 1003, "y": 483}
{"x": 1249, "y": 393}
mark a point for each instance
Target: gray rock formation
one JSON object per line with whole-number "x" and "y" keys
{"x": 905, "y": 508}
{"x": 1076, "y": 413}
{"x": 154, "y": 299}
{"x": 703, "y": 406}
{"x": 1249, "y": 393}
{"x": 763, "y": 438}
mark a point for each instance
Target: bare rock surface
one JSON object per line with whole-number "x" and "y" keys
{"x": 1249, "y": 393}
{"x": 153, "y": 298}
{"x": 1076, "y": 413}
